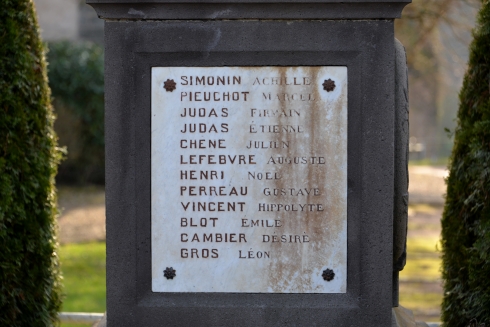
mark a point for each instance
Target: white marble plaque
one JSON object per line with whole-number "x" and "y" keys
{"x": 249, "y": 179}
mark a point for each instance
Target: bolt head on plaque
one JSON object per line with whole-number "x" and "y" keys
{"x": 169, "y": 85}
{"x": 328, "y": 85}
{"x": 169, "y": 273}
{"x": 328, "y": 274}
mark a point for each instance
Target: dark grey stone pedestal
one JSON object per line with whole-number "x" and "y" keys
{"x": 357, "y": 34}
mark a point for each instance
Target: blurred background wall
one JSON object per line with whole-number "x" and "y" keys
{"x": 69, "y": 20}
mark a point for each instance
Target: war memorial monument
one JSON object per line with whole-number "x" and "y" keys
{"x": 256, "y": 158}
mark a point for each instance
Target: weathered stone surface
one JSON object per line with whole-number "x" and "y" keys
{"x": 249, "y": 179}
{"x": 101, "y": 323}
{"x": 400, "y": 213}
{"x": 403, "y": 317}
{"x": 366, "y": 48}
{"x": 240, "y": 9}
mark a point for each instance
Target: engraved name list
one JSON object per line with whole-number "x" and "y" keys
{"x": 249, "y": 179}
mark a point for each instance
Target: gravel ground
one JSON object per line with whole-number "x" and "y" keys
{"x": 82, "y": 216}
{"x": 426, "y": 184}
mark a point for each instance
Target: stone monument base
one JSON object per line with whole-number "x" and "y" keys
{"x": 402, "y": 317}
{"x": 102, "y": 322}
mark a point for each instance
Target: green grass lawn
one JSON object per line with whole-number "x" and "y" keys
{"x": 430, "y": 162}
{"x": 423, "y": 259}
{"x": 83, "y": 267}
{"x": 420, "y": 288}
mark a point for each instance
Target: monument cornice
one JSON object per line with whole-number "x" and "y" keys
{"x": 247, "y": 9}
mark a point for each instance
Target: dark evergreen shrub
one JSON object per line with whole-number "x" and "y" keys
{"x": 29, "y": 272}
{"x": 76, "y": 78}
{"x": 466, "y": 217}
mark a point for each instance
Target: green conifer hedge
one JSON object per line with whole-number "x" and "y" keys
{"x": 466, "y": 217}
{"x": 30, "y": 292}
